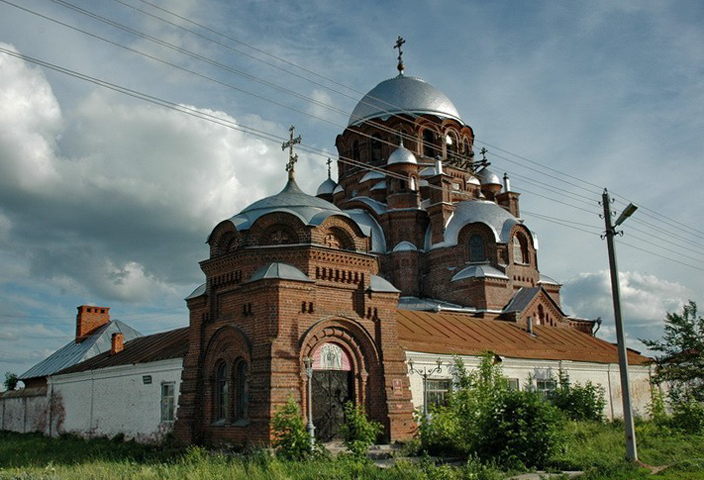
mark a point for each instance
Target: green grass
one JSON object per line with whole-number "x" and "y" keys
{"x": 598, "y": 449}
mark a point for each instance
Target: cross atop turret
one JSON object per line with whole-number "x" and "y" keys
{"x": 329, "y": 162}
{"x": 292, "y": 157}
{"x": 399, "y": 42}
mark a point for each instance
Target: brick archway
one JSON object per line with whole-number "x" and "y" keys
{"x": 364, "y": 359}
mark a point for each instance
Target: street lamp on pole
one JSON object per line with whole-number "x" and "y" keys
{"x": 631, "y": 449}
{"x": 310, "y": 428}
{"x": 425, "y": 373}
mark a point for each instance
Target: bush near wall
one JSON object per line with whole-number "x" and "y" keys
{"x": 483, "y": 416}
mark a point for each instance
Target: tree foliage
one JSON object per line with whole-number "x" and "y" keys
{"x": 681, "y": 364}
{"x": 11, "y": 381}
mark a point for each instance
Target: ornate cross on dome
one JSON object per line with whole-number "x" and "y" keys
{"x": 400, "y": 41}
{"x": 292, "y": 157}
{"x": 484, "y": 151}
{"x": 329, "y": 162}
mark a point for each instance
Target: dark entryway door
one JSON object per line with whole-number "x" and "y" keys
{"x": 331, "y": 390}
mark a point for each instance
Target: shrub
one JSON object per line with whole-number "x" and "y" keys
{"x": 520, "y": 428}
{"x": 484, "y": 416}
{"x": 358, "y": 431}
{"x": 291, "y": 440}
{"x": 578, "y": 402}
{"x": 688, "y": 416}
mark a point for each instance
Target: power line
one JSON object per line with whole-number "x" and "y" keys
{"x": 68, "y": 5}
{"x": 621, "y": 242}
{"x": 252, "y": 131}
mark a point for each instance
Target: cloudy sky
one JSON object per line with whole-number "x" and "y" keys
{"x": 106, "y": 199}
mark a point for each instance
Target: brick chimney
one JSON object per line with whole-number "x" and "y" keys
{"x": 89, "y": 319}
{"x": 118, "y": 340}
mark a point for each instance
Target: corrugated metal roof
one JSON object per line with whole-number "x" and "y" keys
{"x": 446, "y": 333}
{"x": 73, "y": 353}
{"x": 152, "y": 348}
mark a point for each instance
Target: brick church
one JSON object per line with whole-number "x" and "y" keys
{"x": 415, "y": 224}
{"x": 417, "y": 253}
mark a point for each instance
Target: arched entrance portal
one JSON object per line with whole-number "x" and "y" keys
{"x": 332, "y": 388}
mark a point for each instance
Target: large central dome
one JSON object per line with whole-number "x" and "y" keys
{"x": 400, "y": 95}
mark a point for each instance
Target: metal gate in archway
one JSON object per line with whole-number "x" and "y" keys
{"x": 332, "y": 388}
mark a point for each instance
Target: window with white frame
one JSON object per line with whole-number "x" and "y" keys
{"x": 513, "y": 384}
{"x": 167, "y": 402}
{"x": 438, "y": 391}
{"x": 544, "y": 387}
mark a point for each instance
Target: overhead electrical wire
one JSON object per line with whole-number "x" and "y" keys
{"x": 331, "y": 80}
{"x": 252, "y": 131}
{"x": 182, "y": 108}
{"x": 254, "y": 78}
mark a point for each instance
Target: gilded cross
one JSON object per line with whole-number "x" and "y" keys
{"x": 329, "y": 162}
{"x": 399, "y": 42}
{"x": 292, "y": 157}
{"x": 483, "y": 151}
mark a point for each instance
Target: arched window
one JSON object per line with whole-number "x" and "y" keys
{"x": 452, "y": 146}
{"x": 355, "y": 150}
{"x": 429, "y": 143}
{"x": 241, "y": 391}
{"x": 222, "y": 393}
{"x": 376, "y": 147}
{"x": 476, "y": 248}
{"x": 520, "y": 249}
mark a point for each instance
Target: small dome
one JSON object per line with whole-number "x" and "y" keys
{"x": 327, "y": 187}
{"x": 405, "y": 246}
{"x": 477, "y": 211}
{"x": 311, "y": 210}
{"x": 401, "y": 155}
{"x": 403, "y": 95}
{"x": 487, "y": 177}
{"x": 373, "y": 175}
{"x": 473, "y": 181}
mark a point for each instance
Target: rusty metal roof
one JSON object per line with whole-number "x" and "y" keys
{"x": 152, "y": 348}
{"x": 447, "y": 333}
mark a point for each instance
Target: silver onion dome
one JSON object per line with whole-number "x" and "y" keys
{"x": 327, "y": 187}
{"x": 401, "y": 155}
{"x": 401, "y": 95}
{"x": 487, "y": 177}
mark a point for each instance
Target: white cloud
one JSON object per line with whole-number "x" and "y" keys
{"x": 30, "y": 120}
{"x": 127, "y": 189}
{"x": 645, "y": 300}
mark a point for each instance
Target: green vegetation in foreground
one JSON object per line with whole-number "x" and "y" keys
{"x": 596, "y": 448}
{"x": 599, "y": 450}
